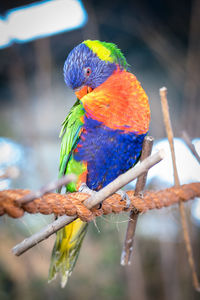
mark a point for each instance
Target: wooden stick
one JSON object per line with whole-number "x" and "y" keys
{"x": 187, "y": 140}
{"x": 10, "y": 173}
{"x": 141, "y": 181}
{"x": 95, "y": 199}
{"x": 169, "y": 131}
{"x": 51, "y": 186}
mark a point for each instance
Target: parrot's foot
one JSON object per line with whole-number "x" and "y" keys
{"x": 125, "y": 197}
{"x": 85, "y": 189}
{"x": 141, "y": 194}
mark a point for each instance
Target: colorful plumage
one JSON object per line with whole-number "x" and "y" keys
{"x": 103, "y": 134}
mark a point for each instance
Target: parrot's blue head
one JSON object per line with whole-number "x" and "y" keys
{"x": 90, "y": 63}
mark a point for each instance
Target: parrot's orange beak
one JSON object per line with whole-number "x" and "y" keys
{"x": 83, "y": 91}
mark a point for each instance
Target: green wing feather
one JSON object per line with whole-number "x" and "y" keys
{"x": 70, "y": 133}
{"x": 69, "y": 239}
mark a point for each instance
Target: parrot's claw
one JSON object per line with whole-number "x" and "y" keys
{"x": 85, "y": 189}
{"x": 141, "y": 194}
{"x": 125, "y": 197}
{"x": 100, "y": 205}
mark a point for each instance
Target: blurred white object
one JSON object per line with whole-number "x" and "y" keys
{"x": 41, "y": 19}
{"x": 11, "y": 157}
{"x": 187, "y": 165}
{"x": 163, "y": 224}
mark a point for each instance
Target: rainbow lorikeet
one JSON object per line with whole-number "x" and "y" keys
{"x": 103, "y": 134}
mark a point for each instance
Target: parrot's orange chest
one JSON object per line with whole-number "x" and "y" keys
{"x": 115, "y": 123}
{"x": 119, "y": 103}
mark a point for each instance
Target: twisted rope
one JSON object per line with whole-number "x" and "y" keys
{"x": 71, "y": 204}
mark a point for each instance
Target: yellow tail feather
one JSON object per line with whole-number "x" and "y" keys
{"x": 66, "y": 250}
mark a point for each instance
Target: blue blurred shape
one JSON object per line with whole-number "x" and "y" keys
{"x": 11, "y": 154}
{"x": 41, "y": 19}
{"x": 195, "y": 211}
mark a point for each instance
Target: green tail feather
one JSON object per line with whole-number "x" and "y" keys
{"x": 66, "y": 250}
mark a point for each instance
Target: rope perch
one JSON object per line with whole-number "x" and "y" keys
{"x": 72, "y": 203}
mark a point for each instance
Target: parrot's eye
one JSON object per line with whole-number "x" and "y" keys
{"x": 88, "y": 71}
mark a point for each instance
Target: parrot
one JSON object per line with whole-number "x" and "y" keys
{"x": 102, "y": 135}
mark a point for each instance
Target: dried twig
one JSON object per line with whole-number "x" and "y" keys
{"x": 10, "y": 173}
{"x": 169, "y": 131}
{"x": 130, "y": 232}
{"x": 187, "y": 140}
{"x": 95, "y": 199}
{"x": 51, "y": 186}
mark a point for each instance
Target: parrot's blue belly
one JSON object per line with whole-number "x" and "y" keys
{"x": 108, "y": 152}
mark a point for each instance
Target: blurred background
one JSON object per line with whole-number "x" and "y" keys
{"x": 160, "y": 40}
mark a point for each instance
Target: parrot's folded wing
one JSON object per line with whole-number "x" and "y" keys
{"x": 68, "y": 239}
{"x": 70, "y": 133}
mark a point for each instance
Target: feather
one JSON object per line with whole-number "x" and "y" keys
{"x": 68, "y": 239}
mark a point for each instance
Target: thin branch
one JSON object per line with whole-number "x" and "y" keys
{"x": 51, "y": 186}
{"x": 95, "y": 199}
{"x": 141, "y": 181}
{"x": 169, "y": 131}
{"x": 10, "y": 173}
{"x": 187, "y": 140}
